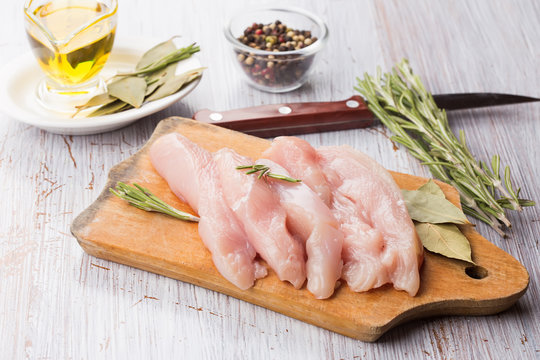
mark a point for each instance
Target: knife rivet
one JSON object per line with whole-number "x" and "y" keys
{"x": 285, "y": 110}
{"x": 352, "y": 104}
{"x": 216, "y": 117}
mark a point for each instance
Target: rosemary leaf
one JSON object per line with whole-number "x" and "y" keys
{"x": 143, "y": 199}
{"x": 264, "y": 171}
{"x": 403, "y": 105}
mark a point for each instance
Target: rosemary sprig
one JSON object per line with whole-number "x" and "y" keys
{"x": 264, "y": 170}
{"x": 173, "y": 57}
{"x": 143, "y": 199}
{"x": 402, "y": 103}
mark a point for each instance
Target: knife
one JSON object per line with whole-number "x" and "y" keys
{"x": 314, "y": 117}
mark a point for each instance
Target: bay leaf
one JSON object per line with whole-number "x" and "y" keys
{"x": 116, "y": 106}
{"x": 101, "y": 99}
{"x": 431, "y": 187}
{"x": 130, "y": 89}
{"x": 174, "y": 84}
{"x": 445, "y": 239}
{"x": 156, "y": 53}
{"x": 195, "y": 74}
{"x": 158, "y": 78}
{"x": 429, "y": 208}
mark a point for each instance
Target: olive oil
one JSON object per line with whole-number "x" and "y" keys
{"x": 71, "y": 39}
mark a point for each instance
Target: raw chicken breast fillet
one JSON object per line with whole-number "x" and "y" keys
{"x": 263, "y": 217}
{"x": 192, "y": 175}
{"x": 373, "y": 235}
{"x": 379, "y": 203}
{"x": 304, "y": 161}
{"x": 362, "y": 247}
{"x": 310, "y": 220}
{"x": 362, "y": 244}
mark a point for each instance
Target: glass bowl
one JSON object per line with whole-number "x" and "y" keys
{"x": 276, "y": 71}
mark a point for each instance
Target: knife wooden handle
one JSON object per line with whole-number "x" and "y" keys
{"x": 293, "y": 118}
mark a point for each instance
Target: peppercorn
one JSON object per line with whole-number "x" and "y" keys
{"x": 275, "y": 37}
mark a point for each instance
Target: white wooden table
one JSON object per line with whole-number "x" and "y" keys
{"x": 56, "y": 302}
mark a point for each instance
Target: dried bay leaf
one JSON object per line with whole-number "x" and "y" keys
{"x": 156, "y": 53}
{"x": 427, "y": 207}
{"x": 158, "y": 78}
{"x": 155, "y": 71}
{"x": 445, "y": 239}
{"x": 116, "y": 106}
{"x": 174, "y": 84}
{"x": 101, "y": 99}
{"x": 130, "y": 89}
{"x": 194, "y": 74}
{"x": 432, "y": 188}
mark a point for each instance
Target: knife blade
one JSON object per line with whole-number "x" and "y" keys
{"x": 312, "y": 117}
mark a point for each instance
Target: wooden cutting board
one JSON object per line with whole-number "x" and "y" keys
{"x": 113, "y": 230}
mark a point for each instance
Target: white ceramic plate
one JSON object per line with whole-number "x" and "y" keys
{"x": 21, "y": 76}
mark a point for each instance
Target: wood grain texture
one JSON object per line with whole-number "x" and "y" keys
{"x": 113, "y": 230}
{"x": 57, "y": 302}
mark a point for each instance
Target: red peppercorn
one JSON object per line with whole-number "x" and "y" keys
{"x": 258, "y": 32}
{"x": 281, "y": 39}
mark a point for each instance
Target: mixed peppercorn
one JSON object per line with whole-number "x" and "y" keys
{"x": 276, "y": 37}
{"x": 280, "y": 70}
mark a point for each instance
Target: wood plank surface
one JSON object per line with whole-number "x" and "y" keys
{"x": 58, "y": 303}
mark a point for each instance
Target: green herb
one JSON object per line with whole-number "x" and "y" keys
{"x": 101, "y": 99}
{"x": 143, "y": 199}
{"x": 432, "y": 188}
{"x": 129, "y": 89}
{"x": 110, "y": 108}
{"x": 264, "y": 170}
{"x": 171, "y": 85}
{"x": 434, "y": 221}
{"x": 156, "y": 53}
{"x": 401, "y": 102}
{"x": 424, "y": 206}
{"x": 173, "y": 57}
{"x": 159, "y": 78}
{"x": 154, "y": 78}
{"x": 445, "y": 239}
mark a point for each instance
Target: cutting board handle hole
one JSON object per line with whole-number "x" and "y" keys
{"x": 476, "y": 272}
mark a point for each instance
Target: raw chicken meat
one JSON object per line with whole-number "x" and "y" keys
{"x": 348, "y": 213}
{"x": 379, "y": 204}
{"x": 380, "y": 243}
{"x": 263, "y": 217}
{"x": 310, "y": 220}
{"x": 362, "y": 247}
{"x": 304, "y": 161}
{"x": 191, "y": 174}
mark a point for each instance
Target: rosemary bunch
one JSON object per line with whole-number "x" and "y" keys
{"x": 402, "y": 103}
